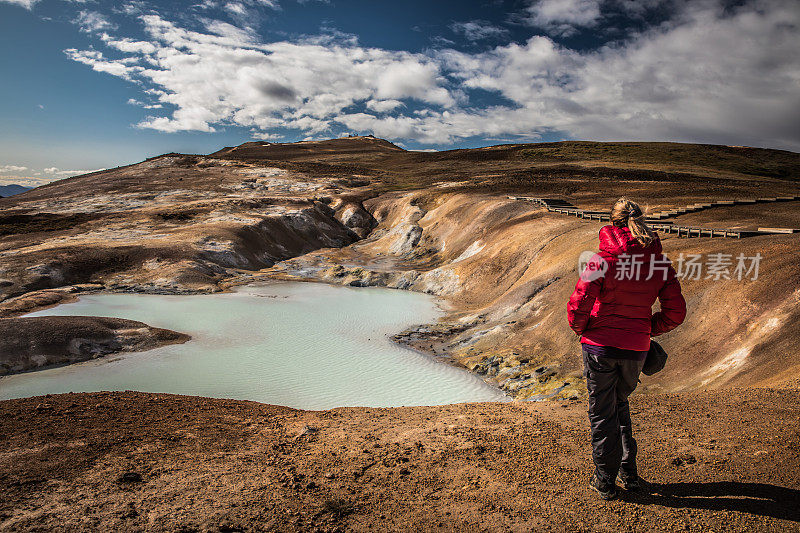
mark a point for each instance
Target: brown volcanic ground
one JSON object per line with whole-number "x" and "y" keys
{"x": 718, "y": 461}
{"x": 362, "y": 211}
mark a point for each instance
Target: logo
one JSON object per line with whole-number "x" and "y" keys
{"x": 591, "y": 266}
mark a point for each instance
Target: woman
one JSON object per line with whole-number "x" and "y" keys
{"x": 611, "y": 308}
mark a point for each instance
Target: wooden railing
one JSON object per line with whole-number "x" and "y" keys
{"x": 657, "y": 222}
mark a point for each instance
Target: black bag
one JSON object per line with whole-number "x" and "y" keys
{"x": 655, "y": 360}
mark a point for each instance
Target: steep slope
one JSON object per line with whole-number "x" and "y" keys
{"x": 508, "y": 271}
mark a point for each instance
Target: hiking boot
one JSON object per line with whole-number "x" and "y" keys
{"x": 630, "y": 482}
{"x": 607, "y": 491}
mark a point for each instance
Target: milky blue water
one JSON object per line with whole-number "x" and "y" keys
{"x": 304, "y": 345}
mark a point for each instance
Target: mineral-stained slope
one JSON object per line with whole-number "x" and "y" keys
{"x": 362, "y": 211}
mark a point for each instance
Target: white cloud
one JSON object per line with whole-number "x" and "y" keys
{"x": 578, "y": 12}
{"x": 21, "y": 175}
{"x": 92, "y": 22}
{"x": 562, "y": 16}
{"x": 236, "y": 8}
{"x": 57, "y": 173}
{"x": 383, "y": 106}
{"x": 99, "y": 63}
{"x": 134, "y": 101}
{"x": 24, "y": 181}
{"x": 223, "y": 29}
{"x": 8, "y": 169}
{"x": 266, "y": 136}
{"x": 228, "y": 77}
{"x": 129, "y": 46}
{"x": 708, "y": 75}
{"x": 476, "y": 30}
{"x": 134, "y": 7}
{"x": 408, "y": 77}
{"x": 729, "y": 78}
{"x": 27, "y": 4}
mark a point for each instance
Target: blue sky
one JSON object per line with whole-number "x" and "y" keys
{"x": 92, "y": 84}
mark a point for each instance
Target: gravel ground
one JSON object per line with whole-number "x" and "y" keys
{"x": 716, "y": 461}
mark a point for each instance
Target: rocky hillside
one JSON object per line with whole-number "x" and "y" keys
{"x": 362, "y": 211}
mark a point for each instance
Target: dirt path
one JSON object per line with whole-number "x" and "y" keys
{"x": 722, "y": 461}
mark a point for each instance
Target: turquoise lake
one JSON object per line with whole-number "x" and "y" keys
{"x": 304, "y": 345}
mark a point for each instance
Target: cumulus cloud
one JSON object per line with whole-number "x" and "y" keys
{"x": 716, "y": 77}
{"x": 226, "y": 76}
{"x": 711, "y": 74}
{"x": 11, "y": 169}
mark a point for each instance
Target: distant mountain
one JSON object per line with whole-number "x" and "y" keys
{"x": 11, "y": 190}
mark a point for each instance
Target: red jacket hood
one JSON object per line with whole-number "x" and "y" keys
{"x": 615, "y": 241}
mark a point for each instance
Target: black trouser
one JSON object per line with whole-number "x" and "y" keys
{"x": 610, "y": 381}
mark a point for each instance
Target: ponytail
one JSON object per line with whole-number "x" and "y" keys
{"x": 626, "y": 213}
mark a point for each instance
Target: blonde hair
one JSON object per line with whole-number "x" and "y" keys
{"x": 627, "y": 213}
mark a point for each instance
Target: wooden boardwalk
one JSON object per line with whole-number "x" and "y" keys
{"x": 721, "y": 203}
{"x": 657, "y": 222}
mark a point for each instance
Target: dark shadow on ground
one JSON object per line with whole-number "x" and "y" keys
{"x": 755, "y": 498}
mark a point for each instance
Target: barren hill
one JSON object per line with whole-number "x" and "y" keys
{"x": 363, "y": 211}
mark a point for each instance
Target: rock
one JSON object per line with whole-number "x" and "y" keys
{"x": 442, "y": 281}
{"x": 354, "y": 216}
{"x": 83, "y": 287}
{"x": 682, "y": 459}
{"x": 405, "y": 237}
{"x": 130, "y": 511}
{"x": 130, "y": 477}
{"x": 307, "y": 430}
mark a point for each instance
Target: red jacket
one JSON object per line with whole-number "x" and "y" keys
{"x": 615, "y": 309}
